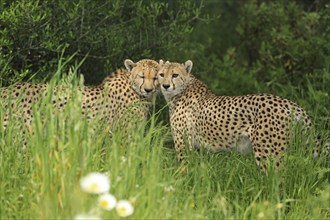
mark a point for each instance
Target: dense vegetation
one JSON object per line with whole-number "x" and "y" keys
{"x": 237, "y": 47}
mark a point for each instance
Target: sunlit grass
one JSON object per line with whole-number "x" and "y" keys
{"x": 43, "y": 181}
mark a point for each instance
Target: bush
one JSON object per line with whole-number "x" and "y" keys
{"x": 282, "y": 42}
{"x": 33, "y": 34}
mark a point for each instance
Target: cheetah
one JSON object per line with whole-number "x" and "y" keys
{"x": 259, "y": 123}
{"x": 133, "y": 86}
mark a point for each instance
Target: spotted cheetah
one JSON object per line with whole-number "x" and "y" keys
{"x": 258, "y": 123}
{"x": 133, "y": 86}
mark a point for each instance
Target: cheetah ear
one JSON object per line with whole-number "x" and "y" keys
{"x": 129, "y": 64}
{"x": 161, "y": 62}
{"x": 188, "y": 65}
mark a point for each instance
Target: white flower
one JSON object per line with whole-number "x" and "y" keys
{"x": 95, "y": 183}
{"x": 124, "y": 208}
{"x": 123, "y": 159}
{"x": 169, "y": 188}
{"x": 260, "y": 215}
{"x": 107, "y": 201}
{"x": 86, "y": 217}
{"x": 118, "y": 178}
{"x": 279, "y": 205}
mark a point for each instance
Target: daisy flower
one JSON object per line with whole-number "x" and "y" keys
{"x": 86, "y": 217}
{"x": 260, "y": 215}
{"x": 279, "y": 205}
{"x": 95, "y": 183}
{"x": 124, "y": 208}
{"x": 107, "y": 201}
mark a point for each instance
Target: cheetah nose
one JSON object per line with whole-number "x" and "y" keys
{"x": 148, "y": 90}
{"x": 166, "y": 86}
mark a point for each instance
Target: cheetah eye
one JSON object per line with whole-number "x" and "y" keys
{"x": 141, "y": 76}
{"x": 161, "y": 74}
{"x": 174, "y": 75}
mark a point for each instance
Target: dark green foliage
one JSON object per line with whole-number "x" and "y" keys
{"x": 274, "y": 42}
{"x": 282, "y": 41}
{"x": 33, "y": 34}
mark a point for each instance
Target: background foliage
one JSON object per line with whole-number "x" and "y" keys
{"x": 33, "y": 34}
{"x": 272, "y": 42}
{"x": 248, "y": 46}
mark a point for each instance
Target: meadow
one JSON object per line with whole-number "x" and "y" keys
{"x": 42, "y": 180}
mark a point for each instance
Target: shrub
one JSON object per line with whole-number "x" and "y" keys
{"x": 283, "y": 42}
{"x": 33, "y": 34}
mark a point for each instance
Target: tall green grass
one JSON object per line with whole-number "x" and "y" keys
{"x": 42, "y": 181}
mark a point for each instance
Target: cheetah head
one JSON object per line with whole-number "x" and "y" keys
{"x": 173, "y": 77}
{"x": 143, "y": 76}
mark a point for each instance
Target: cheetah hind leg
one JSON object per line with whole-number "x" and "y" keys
{"x": 269, "y": 155}
{"x": 268, "y": 162}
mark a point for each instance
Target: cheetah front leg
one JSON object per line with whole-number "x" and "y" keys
{"x": 179, "y": 143}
